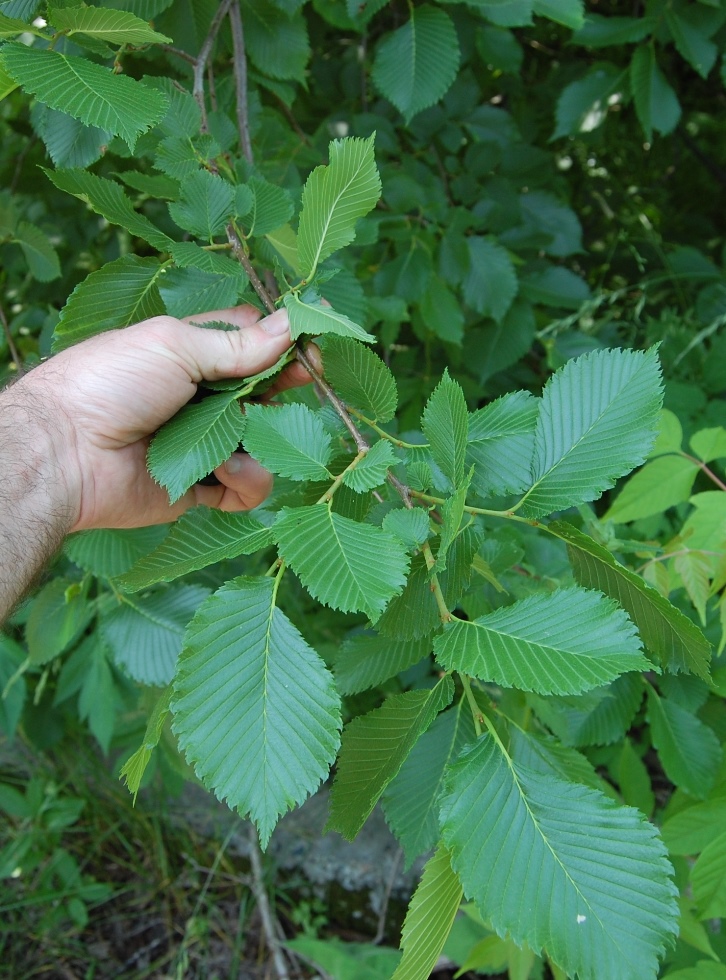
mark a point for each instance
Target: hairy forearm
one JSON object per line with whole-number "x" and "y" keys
{"x": 35, "y": 499}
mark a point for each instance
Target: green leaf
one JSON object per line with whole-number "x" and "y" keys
{"x": 359, "y": 377}
{"x": 86, "y": 91}
{"x": 349, "y": 566}
{"x": 107, "y": 198}
{"x": 145, "y": 634}
{"x": 199, "y": 538}
{"x": 289, "y": 440}
{"x": 490, "y": 284}
{"x": 691, "y": 43}
{"x": 197, "y": 440}
{"x": 583, "y": 105}
{"x": 68, "y": 141}
{"x": 347, "y": 961}
{"x": 373, "y": 749}
{"x": 692, "y": 829}
{"x": 547, "y": 756}
{"x": 134, "y": 768}
{"x": 497, "y": 346}
{"x": 416, "y": 64}
{"x": 665, "y": 631}
{"x": 40, "y": 255}
{"x": 554, "y": 286}
{"x": 11, "y": 26}
{"x": 333, "y": 199}
{"x": 569, "y": 13}
{"x": 662, "y": 483}
{"x": 656, "y": 104}
{"x": 189, "y": 255}
{"x": 441, "y": 311}
{"x": 110, "y": 552}
{"x": 114, "y": 26}
{"x": 411, "y": 800}
{"x": 277, "y": 44}
{"x": 599, "y": 717}
{"x": 634, "y": 780}
{"x": 118, "y": 294}
{"x": 371, "y": 471}
{"x": 709, "y": 444}
{"x": 445, "y": 423}
{"x": 597, "y": 421}
{"x": 206, "y": 204}
{"x": 58, "y": 616}
{"x": 501, "y": 444}
{"x": 254, "y": 706}
{"x": 429, "y": 918}
{"x": 271, "y": 207}
{"x": 562, "y": 642}
{"x": 311, "y": 317}
{"x": 153, "y": 185}
{"x": 507, "y": 13}
{"x": 708, "y": 879}
{"x": 602, "y": 32}
{"x": 412, "y": 527}
{"x": 688, "y": 750}
{"x": 366, "y": 661}
{"x": 187, "y": 292}
{"x": 614, "y": 898}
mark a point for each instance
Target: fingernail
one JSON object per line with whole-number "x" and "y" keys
{"x": 276, "y": 323}
{"x": 233, "y": 464}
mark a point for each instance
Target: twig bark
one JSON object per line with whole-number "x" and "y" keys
{"x": 241, "y": 256}
{"x": 240, "y": 79}
{"x": 263, "y": 904}
{"x": 200, "y": 64}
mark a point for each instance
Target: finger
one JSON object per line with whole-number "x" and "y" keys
{"x": 244, "y": 485}
{"x": 295, "y": 375}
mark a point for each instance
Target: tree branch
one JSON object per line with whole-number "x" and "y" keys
{"x": 202, "y": 58}
{"x": 263, "y": 904}
{"x": 241, "y": 256}
{"x": 240, "y": 80}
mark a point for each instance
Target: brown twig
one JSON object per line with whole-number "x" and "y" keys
{"x": 170, "y": 49}
{"x": 266, "y": 914}
{"x": 241, "y": 256}
{"x": 200, "y": 64}
{"x": 14, "y": 353}
{"x": 240, "y": 79}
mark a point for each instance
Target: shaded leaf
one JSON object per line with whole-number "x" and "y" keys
{"x": 491, "y": 282}
{"x": 359, "y": 377}
{"x": 501, "y": 444}
{"x": 689, "y": 751}
{"x": 366, "y": 661}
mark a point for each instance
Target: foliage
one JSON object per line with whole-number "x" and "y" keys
{"x": 458, "y": 201}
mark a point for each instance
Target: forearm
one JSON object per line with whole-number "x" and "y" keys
{"x": 36, "y": 501}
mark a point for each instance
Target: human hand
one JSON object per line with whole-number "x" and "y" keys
{"x": 109, "y": 394}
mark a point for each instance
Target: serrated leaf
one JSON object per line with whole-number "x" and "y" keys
{"x": 599, "y": 717}
{"x": 264, "y": 738}
{"x": 694, "y": 571}
{"x": 277, "y": 43}
{"x": 289, "y": 440}
{"x": 415, "y": 65}
{"x": 490, "y": 285}
{"x": 134, "y": 768}
{"x": 112, "y": 551}
{"x": 452, "y": 514}
{"x": 691, "y": 43}
{"x": 360, "y": 377}
{"x": 662, "y": 483}
{"x": 349, "y": 566}
{"x": 313, "y": 318}
{"x": 118, "y": 294}
{"x": 411, "y": 800}
{"x": 107, "y": 198}
{"x": 12, "y": 26}
{"x": 178, "y": 157}
{"x": 615, "y": 900}
{"x": 333, "y": 199}
{"x": 197, "y": 440}
{"x": 549, "y": 757}
{"x": 199, "y": 538}
{"x": 597, "y": 421}
{"x": 412, "y": 527}
{"x": 206, "y": 204}
{"x": 40, "y": 255}
{"x": 708, "y": 878}
{"x": 689, "y": 751}
{"x": 656, "y": 104}
{"x": 563, "y": 642}
{"x": 57, "y": 617}
{"x": 145, "y": 634}
{"x": 271, "y": 207}
{"x": 372, "y": 470}
{"x": 366, "y": 661}
{"x": 190, "y": 291}
{"x": 153, "y": 185}
{"x": 429, "y": 918}
{"x": 86, "y": 91}
{"x": 507, "y": 13}
{"x": 189, "y": 255}
{"x": 373, "y": 749}
{"x": 500, "y": 444}
{"x": 445, "y": 423}
{"x": 68, "y": 141}
{"x": 569, "y": 13}
{"x": 284, "y": 242}
{"x": 114, "y": 26}
{"x": 665, "y": 631}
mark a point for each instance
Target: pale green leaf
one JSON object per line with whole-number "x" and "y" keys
{"x": 597, "y": 421}
{"x": 693, "y": 932}
{"x": 490, "y": 285}
{"x": 118, "y": 294}
{"x": 445, "y": 423}
{"x": 289, "y": 440}
{"x": 254, "y": 707}
{"x": 691, "y": 43}
{"x": 656, "y": 104}
{"x": 634, "y": 780}
{"x": 670, "y": 434}
{"x": 416, "y": 64}
{"x": 113, "y": 26}
{"x": 347, "y": 961}
{"x": 366, "y": 661}
{"x": 197, "y": 440}
{"x": 373, "y": 468}
{"x": 132, "y": 771}
{"x": 703, "y": 970}
{"x": 284, "y": 241}
{"x": 145, "y": 634}
{"x": 665, "y": 631}
{"x": 359, "y": 377}
{"x": 199, "y": 538}
{"x": 333, "y": 199}
{"x": 7, "y": 84}
{"x": 614, "y": 898}
{"x": 452, "y": 514}
{"x": 662, "y": 483}
{"x": 412, "y": 527}
{"x": 708, "y": 879}
{"x": 373, "y": 749}
{"x": 694, "y": 570}
{"x": 429, "y": 918}
{"x": 689, "y": 751}
{"x": 692, "y": 829}
{"x": 501, "y": 444}
{"x": 311, "y": 317}
{"x": 709, "y": 444}
{"x": 107, "y": 198}
{"x": 40, "y": 255}
{"x": 562, "y": 642}
{"x": 58, "y": 616}
{"x": 12, "y": 26}
{"x": 205, "y": 206}
{"x": 349, "y": 566}
{"x": 569, "y": 13}
{"x": 271, "y": 207}
{"x": 86, "y": 91}
{"x": 112, "y": 551}
{"x": 599, "y": 717}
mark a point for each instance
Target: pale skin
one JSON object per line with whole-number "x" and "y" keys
{"x": 75, "y": 430}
